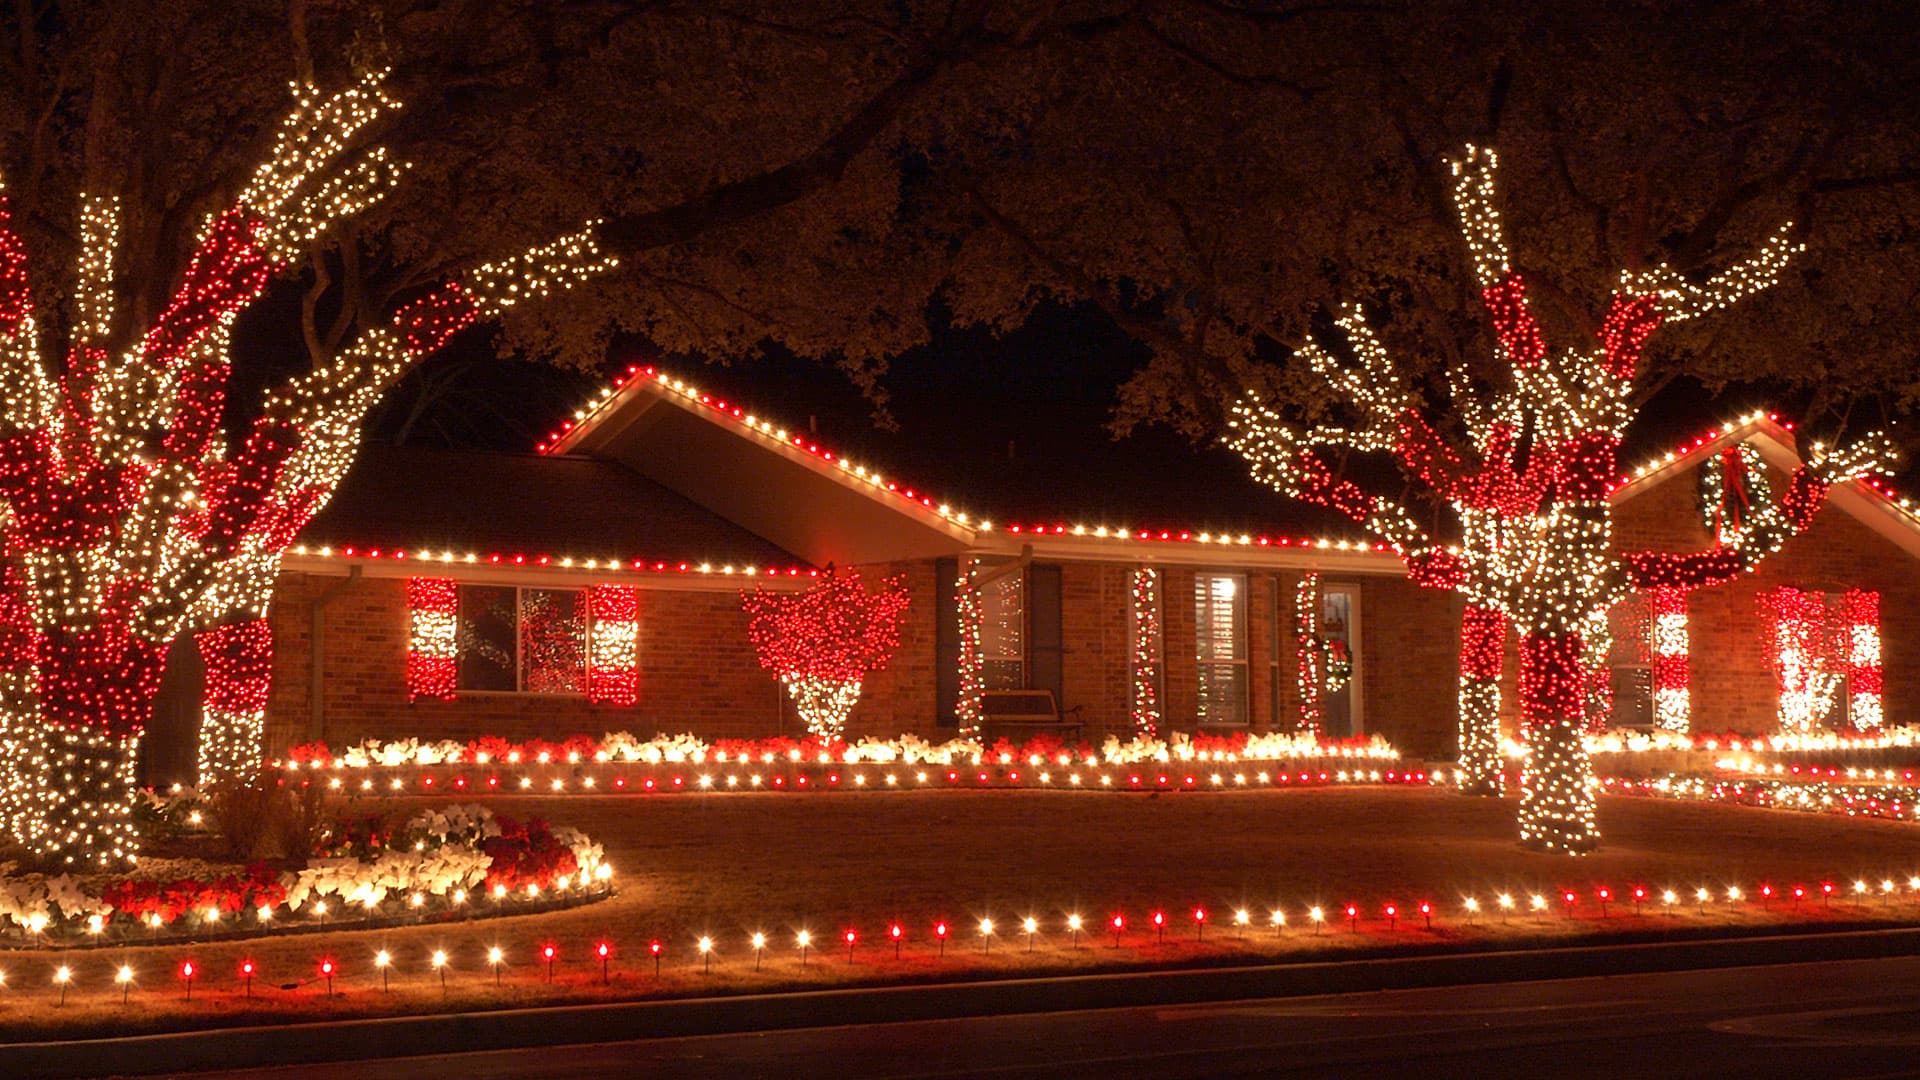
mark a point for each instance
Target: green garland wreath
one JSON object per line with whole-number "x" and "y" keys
{"x": 1733, "y": 489}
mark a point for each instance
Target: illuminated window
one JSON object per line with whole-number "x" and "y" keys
{"x": 1220, "y": 646}
{"x": 528, "y": 640}
{"x": 1003, "y": 627}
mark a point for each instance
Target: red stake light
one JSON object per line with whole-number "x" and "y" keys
{"x": 896, "y": 932}
{"x": 326, "y": 972}
{"x": 1199, "y": 924}
{"x": 605, "y": 952}
{"x": 549, "y": 953}
{"x": 246, "y": 972}
{"x": 940, "y": 931}
{"x": 186, "y": 972}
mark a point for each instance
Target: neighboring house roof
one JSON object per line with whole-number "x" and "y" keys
{"x": 1870, "y": 501}
{"x": 408, "y": 505}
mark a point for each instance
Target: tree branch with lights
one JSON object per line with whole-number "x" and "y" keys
{"x": 824, "y": 641}
{"x": 131, "y": 520}
{"x": 1528, "y": 496}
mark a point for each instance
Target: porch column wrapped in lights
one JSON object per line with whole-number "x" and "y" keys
{"x": 239, "y": 667}
{"x": 1672, "y": 701}
{"x": 613, "y": 645}
{"x": 433, "y": 621}
{"x": 1308, "y": 675}
{"x": 1146, "y": 651}
{"x": 969, "y": 611}
{"x": 1864, "y": 672}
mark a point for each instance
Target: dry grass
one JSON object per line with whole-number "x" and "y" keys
{"x": 728, "y": 865}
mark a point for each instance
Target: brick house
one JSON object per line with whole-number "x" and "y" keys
{"x": 690, "y": 499}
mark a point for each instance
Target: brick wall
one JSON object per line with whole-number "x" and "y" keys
{"x": 1410, "y": 665}
{"x": 1096, "y": 629}
{"x": 698, "y": 673}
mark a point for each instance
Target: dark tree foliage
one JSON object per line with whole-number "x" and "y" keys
{"x": 1212, "y": 174}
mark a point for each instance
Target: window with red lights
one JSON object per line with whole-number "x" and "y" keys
{"x": 532, "y": 641}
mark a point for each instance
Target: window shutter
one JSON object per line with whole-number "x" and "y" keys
{"x": 433, "y": 621}
{"x": 1045, "y": 641}
{"x": 613, "y": 645}
{"x": 946, "y": 639}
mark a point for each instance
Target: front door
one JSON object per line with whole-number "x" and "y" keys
{"x": 1340, "y": 623}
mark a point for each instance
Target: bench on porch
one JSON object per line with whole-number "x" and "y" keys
{"x": 1019, "y": 715}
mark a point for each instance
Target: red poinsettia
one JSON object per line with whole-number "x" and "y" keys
{"x": 526, "y": 853}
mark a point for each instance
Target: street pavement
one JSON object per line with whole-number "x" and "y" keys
{"x": 1832, "y": 1019}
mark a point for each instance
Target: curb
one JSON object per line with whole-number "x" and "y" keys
{"x": 366, "y": 1039}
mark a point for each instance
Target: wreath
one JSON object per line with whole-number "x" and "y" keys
{"x": 1733, "y": 485}
{"x": 1339, "y": 665}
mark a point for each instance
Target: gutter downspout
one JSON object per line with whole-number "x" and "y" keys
{"x": 316, "y": 655}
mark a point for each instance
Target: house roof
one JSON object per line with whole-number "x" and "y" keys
{"x": 403, "y": 503}
{"x": 1873, "y": 502}
{"x": 830, "y": 508}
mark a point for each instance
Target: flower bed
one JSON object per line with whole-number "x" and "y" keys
{"x": 462, "y": 861}
{"x": 619, "y": 763}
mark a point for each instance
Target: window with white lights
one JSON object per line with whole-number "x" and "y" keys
{"x": 1003, "y": 626}
{"x": 1220, "y": 647}
{"x": 531, "y": 641}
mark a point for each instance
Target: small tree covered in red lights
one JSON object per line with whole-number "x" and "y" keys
{"x": 1528, "y": 490}
{"x": 822, "y": 642}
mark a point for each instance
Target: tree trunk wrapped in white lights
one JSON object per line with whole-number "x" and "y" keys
{"x": 823, "y": 641}
{"x": 1528, "y": 491}
{"x": 130, "y": 517}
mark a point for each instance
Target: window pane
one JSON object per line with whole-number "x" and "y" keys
{"x": 1223, "y": 694}
{"x": 1002, "y": 618}
{"x": 1004, "y": 675}
{"x": 1219, "y": 614}
{"x": 553, "y": 637}
{"x": 485, "y": 638}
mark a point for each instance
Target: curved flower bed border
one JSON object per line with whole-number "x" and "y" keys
{"x": 459, "y": 862}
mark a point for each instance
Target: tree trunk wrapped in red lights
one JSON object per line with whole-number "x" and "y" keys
{"x": 132, "y": 514}
{"x": 1527, "y": 485}
{"x": 823, "y": 642}
{"x": 239, "y": 666}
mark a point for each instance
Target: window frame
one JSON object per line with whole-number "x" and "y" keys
{"x": 1203, "y": 594}
{"x": 1018, "y": 574}
{"x": 519, "y": 652}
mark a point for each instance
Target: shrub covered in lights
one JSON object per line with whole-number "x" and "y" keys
{"x": 1527, "y": 488}
{"x": 824, "y": 641}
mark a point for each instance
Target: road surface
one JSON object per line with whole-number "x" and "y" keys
{"x": 1827, "y": 1020}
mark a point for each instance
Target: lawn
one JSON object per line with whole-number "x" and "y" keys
{"x": 730, "y": 865}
